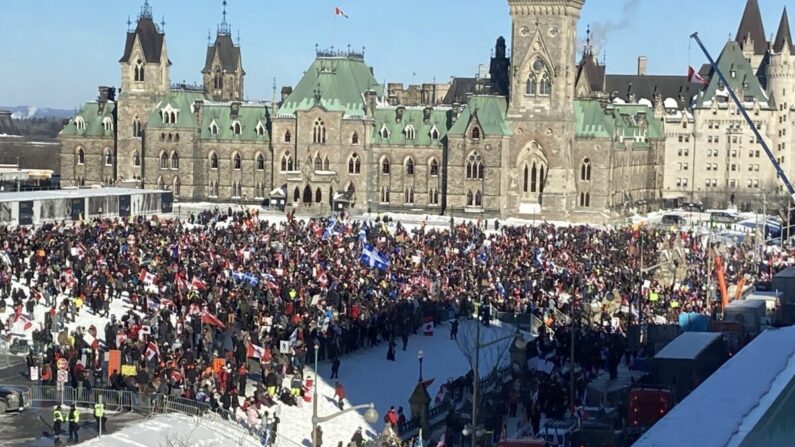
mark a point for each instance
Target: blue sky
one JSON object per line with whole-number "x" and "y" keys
{"x": 57, "y": 52}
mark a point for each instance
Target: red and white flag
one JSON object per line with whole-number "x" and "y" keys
{"x": 152, "y": 350}
{"x": 254, "y": 351}
{"x": 694, "y": 77}
{"x": 24, "y": 321}
{"x": 147, "y": 277}
{"x": 182, "y": 283}
{"x": 427, "y": 325}
{"x": 339, "y": 12}
{"x": 91, "y": 340}
{"x": 208, "y": 318}
{"x": 198, "y": 284}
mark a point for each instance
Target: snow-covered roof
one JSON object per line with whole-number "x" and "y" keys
{"x": 670, "y": 103}
{"x": 645, "y": 102}
{"x": 726, "y": 407}
{"x": 618, "y": 101}
{"x": 688, "y": 345}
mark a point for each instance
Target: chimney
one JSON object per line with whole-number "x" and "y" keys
{"x": 234, "y": 108}
{"x": 198, "y": 105}
{"x": 426, "y": 114}
{"x": 642, "y": 66}
{"x": 399, "y": 113}
{"x": 370, "y": 101}
{"x": 456, "y": 111}
{"x": 102, "y": 99}
{"x": 286, "y": 91}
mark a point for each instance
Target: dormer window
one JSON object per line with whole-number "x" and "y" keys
{"x": 213, "y": 128}
{"x": 355, "y": 138}
{"x": 384, "y": 132}
{"x": 169, "y": 115}
{"x": 138, "y": 71}
{"x": 236, "y": 128}
{"x": 410, "y": 132}
{"x": 434, "y": 133}
{"x": 107, "y": 124}
{"x": 260, "y": 129}
{"x": 475, "y": 133}
{"x": 287, "y": 137}
{"x": 80, "y": 123}
{"x": 319, "y": 132}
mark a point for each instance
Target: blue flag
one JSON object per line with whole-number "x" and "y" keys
{"x": 245, "y": 277}
{"x": 329, "y": 231}
{"x": 373, "y": 258}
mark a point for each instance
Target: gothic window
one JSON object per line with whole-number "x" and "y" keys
{"x": 585, "y": 170}
{"x": 80, "y": 123}
{"x": 318, "y": 163}
{"x": 137, "y": 130}
{"x": 325, "y": 163}
{"x": 287, "y": 163}
{"x": 176, "y": 187}
{"x": 351, "y": 189}
{"x": 160, "y": 184}
{"x": 385, "y": 194}
{"x": 355, "y": 138}
{"x": 213, "y": 128}
{"x": 434, "y": 133}
{"x": 162, "y": 136}
{"x": 170, "y": 138}
{"x": 410, "y": 132}
{"x": 213, "y": 161}
{"x": 384, "y": 132}
{"x": 542, "y": 179}
{"x": 532, "y": 85}
{"x": 470, "y": 198}
{"x": 433, "y": 197}
{"x": 260, "y": 129}
{"x": 474, "y": 167}
{"x": 318, "y": 196}
{"x": 585, "y": 199}
{"x": 237, "y": 161}
{"x": 525, "y": 178}
{"x": 108, "y": 157}
{"x": 534, "y": 178}
{"x": 176, "y": 138}
{"x": 163, "y": 160}
{"x": 478, "y": 199}
{"x": 409, "y": 166}
{"x": 236, "y": 128}
{"x": 174, "y": 161}
{"x": 218, "y": 79}
{"x": 107, "y": 124}
{"x": 211, "y": 189}
{"x": 354, "y": 164}
{"x": 408, "y": 196}
{"x": 385, "y": 166}
{"x": 81, "y": 156}
{"x": 136, "y": 159}
{"x": 260, "y": 162}
{"x": 138, "y": 71}
{"x": 475, "y": 133}
{"x": 319, "y": 132}
{"x": 545, "y": 88}
{"x": 287, "y": 137}
{"x": 434, "y": 167}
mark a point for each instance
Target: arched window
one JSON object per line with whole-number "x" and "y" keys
{"x": 107, "y": 124}
{"x": 160, "y": 184}
{"x": 176, "y": 187}
{"x": 136, "y": 159}
{"x": 213, "y": 161}
{"x": 237, "y": 161}
{"x": 532, "y": 85}
{"x": 385, "y": 166}
{"x": 434, "y": 167}
{"x": 355, "y": 138}
{"x": 108, "y": 157}
{"x": 325, "y": 163}
{"x": 478, "y": 199}
{"x": 80, "y": 123}
{"x": 162, "y": 136}
{"x": 318, "y": 163}
{"x": 318, "y": 196}
{"x": 410, "y": 132}
{"x": 433, "y": 197}
{"x": 163, "y": 160}
{"x": 408, "y": 196}
{"x": 296, "y": 195}
{"x": 218, "y": 79}
{"x": 385, "y": 194}
{"x": 384, "y": 132}
{"x": 176, "y": 138}
{"x": 138, "y": 71}
{"x": 170, "y": 138}
{"x": 287, "y": 137}
{"x": 409, "y": 166}
{"x": 434, "y": 133}
{"x": 474, "y": 166}
{"x": 319, "y": 132}
{"x": 585, "y": 170}
{"x": 546, "y": 86}
{"x": 354, "y": 164}
{"x": 174, "y": 161}
{"x": 470, "y": 198}
{"x": 475, "y": 133}
{"x": 236, "y": 128}
{"x": 260, "y": 162}
{"x": 287, "y": 163}
{"x": 81, "y": 156}
{"x": 137, "y": 130}
{"x": 307, "y": 194}
{"x": 542, "y": 179}
{"x": 213, "y": 128}
{"x": 526, "y": 177}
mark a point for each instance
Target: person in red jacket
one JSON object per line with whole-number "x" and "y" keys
{"x": 391, "y": 418}
{"x": 339, "y": 393}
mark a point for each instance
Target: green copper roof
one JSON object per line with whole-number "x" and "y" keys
{"x": 595, "y": 119}
{"x": 490, "y": 113}
{"x": 628, "y": 123}
{"x": 414, "y": 117}
{"x": 335, "y": 83}
{"x": 249, "y": 116}
{"x": 744, "y": 83}
{"x": 181, "y": 101}
{"x": 90, "y": 115}
{"x": 591, "y": 120}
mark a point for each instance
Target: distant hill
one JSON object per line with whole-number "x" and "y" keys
{"x": 28, "y": 112}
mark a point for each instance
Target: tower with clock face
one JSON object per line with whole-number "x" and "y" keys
{"x": 541, "y": 104}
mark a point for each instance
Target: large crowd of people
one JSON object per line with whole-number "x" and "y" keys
{"x": 227, "y": 308}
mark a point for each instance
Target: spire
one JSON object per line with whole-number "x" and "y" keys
{"x": 223, "y": 27}
{"x": 146, "y": 11}
{"x": 751, "y": 27}
{"x": 783, "y": 35}
{"x": 587, "y": 50}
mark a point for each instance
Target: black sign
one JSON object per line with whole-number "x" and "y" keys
{"x": 124, "y": 206}
{"x": 78, "y": 209}
{"x": 26, "y": 213}
{"x": 167, "y": 202}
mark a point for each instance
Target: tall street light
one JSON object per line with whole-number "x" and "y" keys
{"x": 420, "y": 355}
{"x": 371, "y": 415}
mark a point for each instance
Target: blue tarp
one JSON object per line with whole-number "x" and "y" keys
{"x": 693, "y": 322}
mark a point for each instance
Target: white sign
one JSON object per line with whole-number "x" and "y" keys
{"x": 34, "y": 373}
{"x": 284, "y": 347}
{"x": 63, "y": 376}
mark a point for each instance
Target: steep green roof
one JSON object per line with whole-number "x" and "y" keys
{"x": 744, "y": 82}
{"x": 92, "y": 120}
{"x": 595, "y": 119}
{"x": 337, "y": 83}
{"x": 415, "y": 117}
{"x": 181, "y": 100}
{"x": 627, "y": 120}
{"x": 490, "y": 112}
{"x": 591, "y": 120}
{"x": 249, "y": 115}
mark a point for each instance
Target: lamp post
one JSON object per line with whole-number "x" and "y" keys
{"x": 371, "y": 415}
{"x": 419, "y": 357}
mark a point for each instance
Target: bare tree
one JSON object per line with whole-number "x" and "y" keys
{"x": 491, "y": 357}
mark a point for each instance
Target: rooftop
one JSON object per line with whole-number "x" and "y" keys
{"x": 688, "y": 345}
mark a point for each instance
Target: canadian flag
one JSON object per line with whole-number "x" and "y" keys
{"x": 176, "y": 376}
{"x": 152, "y": 350}
{"x": 320, "y": 276}
{"x": 147, "y": 277}
{"x": 24, "y": 321}
{"x": 165, "y": 302}
{"x": 339, "y": 12}
{"x": 208, "y": 318}
{"x": 69, "y": 276}
{"x": 427, "y": 325}
{"x": 254, "y": 351}
{"x": 91, "y": 340}
{"x": 694, "y": 77}
{"x": 197, "y": 283}
{"x": 182, "y": 283}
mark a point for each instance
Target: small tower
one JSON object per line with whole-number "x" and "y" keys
{"x": 781, "y": 89}
{"x": 751, "y": 35}
{"x": 499, "y": 70}
{"x": 223, "y": 70}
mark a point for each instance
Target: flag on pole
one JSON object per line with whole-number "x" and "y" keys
{"x": 198, "y": 284}
{"x": 373, "y": 258}
{"x": 208, "y": 318}
{"x": 339, "y": 12}
{"x": 147, "y": 277}
{"x": 427, "y": 325}
{"x": 24, "y": 321}
{"x": 151, "y": 351}
{"x": 694, "y": 77}
{"x": 91, "y": 340}
{"x": 254, "y": 351}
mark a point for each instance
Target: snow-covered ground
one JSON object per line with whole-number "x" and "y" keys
{"x": 172, "y": 430}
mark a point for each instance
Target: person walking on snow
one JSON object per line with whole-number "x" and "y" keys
{"x": 335, "y": 368}
{"x": 339, "y": 393}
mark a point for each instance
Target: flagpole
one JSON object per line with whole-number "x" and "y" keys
{"x": 334, "y": 30}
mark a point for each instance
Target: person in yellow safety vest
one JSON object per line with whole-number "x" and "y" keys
{"x": 57, "y": 421}
{"x": 74, "y": 424}
{"x": 99, "y": 415}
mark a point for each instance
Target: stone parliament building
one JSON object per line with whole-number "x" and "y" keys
{"x": 536, "y": 136}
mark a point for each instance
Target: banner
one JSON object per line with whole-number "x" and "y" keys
{"x": 128, "y": 370}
